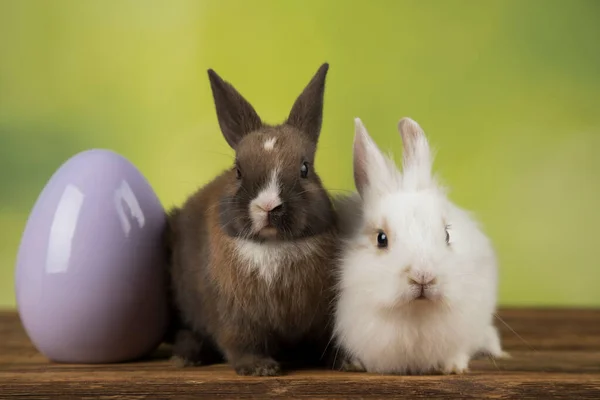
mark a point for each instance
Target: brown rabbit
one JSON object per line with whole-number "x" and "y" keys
{"x": 253, "y": 251}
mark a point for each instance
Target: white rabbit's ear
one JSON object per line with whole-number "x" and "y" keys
{"x": 374, "y": 173}
{"x": 416, "y": 158}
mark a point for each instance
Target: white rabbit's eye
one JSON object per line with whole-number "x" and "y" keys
{"x": 382, "y": 240}
{"x": 447, "y": 234}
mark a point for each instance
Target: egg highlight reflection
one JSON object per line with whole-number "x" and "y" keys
{"x": 90, "y": 273}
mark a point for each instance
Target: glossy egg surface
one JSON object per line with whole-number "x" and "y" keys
{"x": 90, "y": 273}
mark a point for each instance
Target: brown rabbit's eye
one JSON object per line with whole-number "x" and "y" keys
{"x": 304, "y": 170}
{"x": 238, "y": 173}
{"x": 382, "y": 240}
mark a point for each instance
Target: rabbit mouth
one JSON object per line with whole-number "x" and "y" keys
{"x": 421, "y": 298}
{"x": 422, "y": 295}
{"x": 426, "y": 295}
{"x": 267, "y": 232}
{"x": 263, "y": 226}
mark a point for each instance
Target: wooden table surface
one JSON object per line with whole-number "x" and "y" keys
{"x": 556, "y": 354}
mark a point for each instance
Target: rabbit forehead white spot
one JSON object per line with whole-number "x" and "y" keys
{"x": 270, "y": 143}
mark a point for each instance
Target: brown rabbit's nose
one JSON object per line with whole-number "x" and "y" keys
{"x": 276, "y": 209}
{"x": 276, "y": 213}
{"x": 269, "y": 207}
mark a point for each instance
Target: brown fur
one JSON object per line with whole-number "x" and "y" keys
{"x": 225, "y": 309}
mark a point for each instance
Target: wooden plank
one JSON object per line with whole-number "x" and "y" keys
{"x": 556, "y": 356}
{"x": 552, "y": 329}
{"x": 139, "y": 385}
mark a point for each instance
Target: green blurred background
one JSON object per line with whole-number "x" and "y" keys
{"x": 508, "y": 92}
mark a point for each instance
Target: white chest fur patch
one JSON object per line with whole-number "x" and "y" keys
{"x": 268, "y": 259}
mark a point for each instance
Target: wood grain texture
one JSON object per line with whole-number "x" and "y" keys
{"x": 557, "y": 356}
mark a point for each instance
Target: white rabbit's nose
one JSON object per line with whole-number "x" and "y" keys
{"x": 421, "y": 278}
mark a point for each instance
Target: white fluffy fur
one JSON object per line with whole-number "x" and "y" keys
{"x": 267, "y": 199}
{"x": 269, "y": 259}
{"x": 378, "y": 322}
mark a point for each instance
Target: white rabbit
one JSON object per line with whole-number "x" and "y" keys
{"x": 418, "y": 278}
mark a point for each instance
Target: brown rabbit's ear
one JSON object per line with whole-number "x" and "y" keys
{"x": 236, "y": 116}
{"x": 307, "y": 111}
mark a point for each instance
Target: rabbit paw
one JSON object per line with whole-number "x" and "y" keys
{"x": 254, "y": 366}
{"x": 191, "y": 350}
{"x": 457, "y": 366}
{"x": 183, "y": 362}
{"x": 491, "y": 346}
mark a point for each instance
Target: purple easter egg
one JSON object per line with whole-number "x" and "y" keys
{"x": 90, "y": 273}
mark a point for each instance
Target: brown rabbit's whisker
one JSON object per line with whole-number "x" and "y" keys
{"x": 327, "y": 346}
{"x": 245, "y": 191}
{"x": 232, "y": 221}
{"x": 230, "y": 156}
{"x": 246, "y": 232}
{"x": 340, "y": 190}
{"x": 217, "y": 205}
{"x": 297, "y": 195}
{"x": 337, "y": 350}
